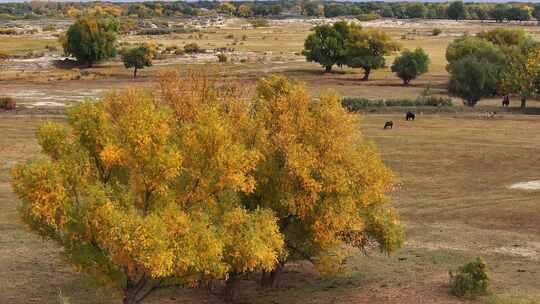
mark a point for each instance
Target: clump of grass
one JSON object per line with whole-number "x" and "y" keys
{"x": 192, "y": 48}
{"x": 470, "y": 280}
{"x": 259, "y": 22}
{"x": 436, "y": 31}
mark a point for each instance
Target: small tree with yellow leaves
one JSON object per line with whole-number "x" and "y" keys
{"x": 521, "y": 74}
{"x": 141, "y": 197}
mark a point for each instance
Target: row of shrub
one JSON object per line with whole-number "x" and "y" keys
{"x": 165, "y": 31}
{"x": 354, "y": 104}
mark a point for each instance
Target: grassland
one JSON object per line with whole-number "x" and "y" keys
{"x": 454, "y": 200}
{"x": 454, "y": 172}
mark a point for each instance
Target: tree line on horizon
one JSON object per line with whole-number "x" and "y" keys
{"x": 500, "y": 61}
{"x": 456, "y": 10}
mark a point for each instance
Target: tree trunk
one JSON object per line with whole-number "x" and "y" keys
{"x": 270, "y": 279}
{"x": 328, "y": 69}
{"x": 135, "y": 73}
{"x": 136, "y": 292}
{"x": 229, "y": 292}
{"x": 523, "y": 102}
{"x": 366, "y": 74}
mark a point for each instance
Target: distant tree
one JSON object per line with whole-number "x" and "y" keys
{"x": 313, "y": 8}
{"x": 366, "y": 49}
{"x": 91, "y": 39}
{"x": 473, "y": 79}
{"x": 536, "y": 12}
{"x": 500, "y": 12}
{"x": 244, "y": 10}
{"x": 326, "y": 45}
{"x": 456, "y": 10}
{"x": 226, "y": 8}
{"x": 137, "y": 57}
{"x": 411, "y": 64}
{"x": 517, "y": 13}
{"x": 415, "y": 10}
{"x": 386, "y": 12}
{"x": 482, "y": 12}
{"x": 521, "y": 74}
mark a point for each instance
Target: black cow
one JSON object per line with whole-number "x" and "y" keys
{"x": 389, "y": 124}
{"x": 410, "y": 116}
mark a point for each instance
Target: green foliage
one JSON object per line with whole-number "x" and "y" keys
{"x": 326, "y": 45}
{"x": 504, "y": 37}
{"x": 355, "y": 104}
{"x": 259, "y": 22}
{"x": 472, "y": 78}
{"x": 456, "y": 10}
{"x": 436, "y": 31}
{"x": 521, "y": 74}
{"x": 192, "y": 48}
{"x": 91, "y": 39}
{"x": 7, "y": 103}
{"x": 478, "y": 48}
{"x": 137, "y": 57}
{"x": 536, "y": 11}
{"x": 411, "y": 64}
{"x": 366, "y": 48}
{"x": 470, "y": 280}
{"x": 368, "y": 17}
{"x": 415, "y": 10}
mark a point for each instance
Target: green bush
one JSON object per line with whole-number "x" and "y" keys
{"x": 7, "y": 103}
{"x": 355, "y": 104}
{"x": 259, "y": 22}
{"x": 192, "y": 48}
{"x": 222, "y": 57}
{"x": 436, "y": 31}
{"x": 368, "y": 17}
{"x": 470, "y": 280}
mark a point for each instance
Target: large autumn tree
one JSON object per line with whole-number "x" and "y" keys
{"x": 143, "y": 193}
{"x": 322, "y": 178}
{"x": 91, "y": 38}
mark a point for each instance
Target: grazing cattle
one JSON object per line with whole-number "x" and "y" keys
{"x": 410, "y": 116}
{"x": 389, "y": 124}
{"x": 506, "y": 101}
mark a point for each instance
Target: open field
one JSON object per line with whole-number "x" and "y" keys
{"x": 455, "y": 168}
{"x": 454, "y": 200}
{"x": 254, "y": 53}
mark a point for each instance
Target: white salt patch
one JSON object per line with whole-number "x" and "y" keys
{"x": 532, "y": 185}
{"x": 47, "y": 104}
